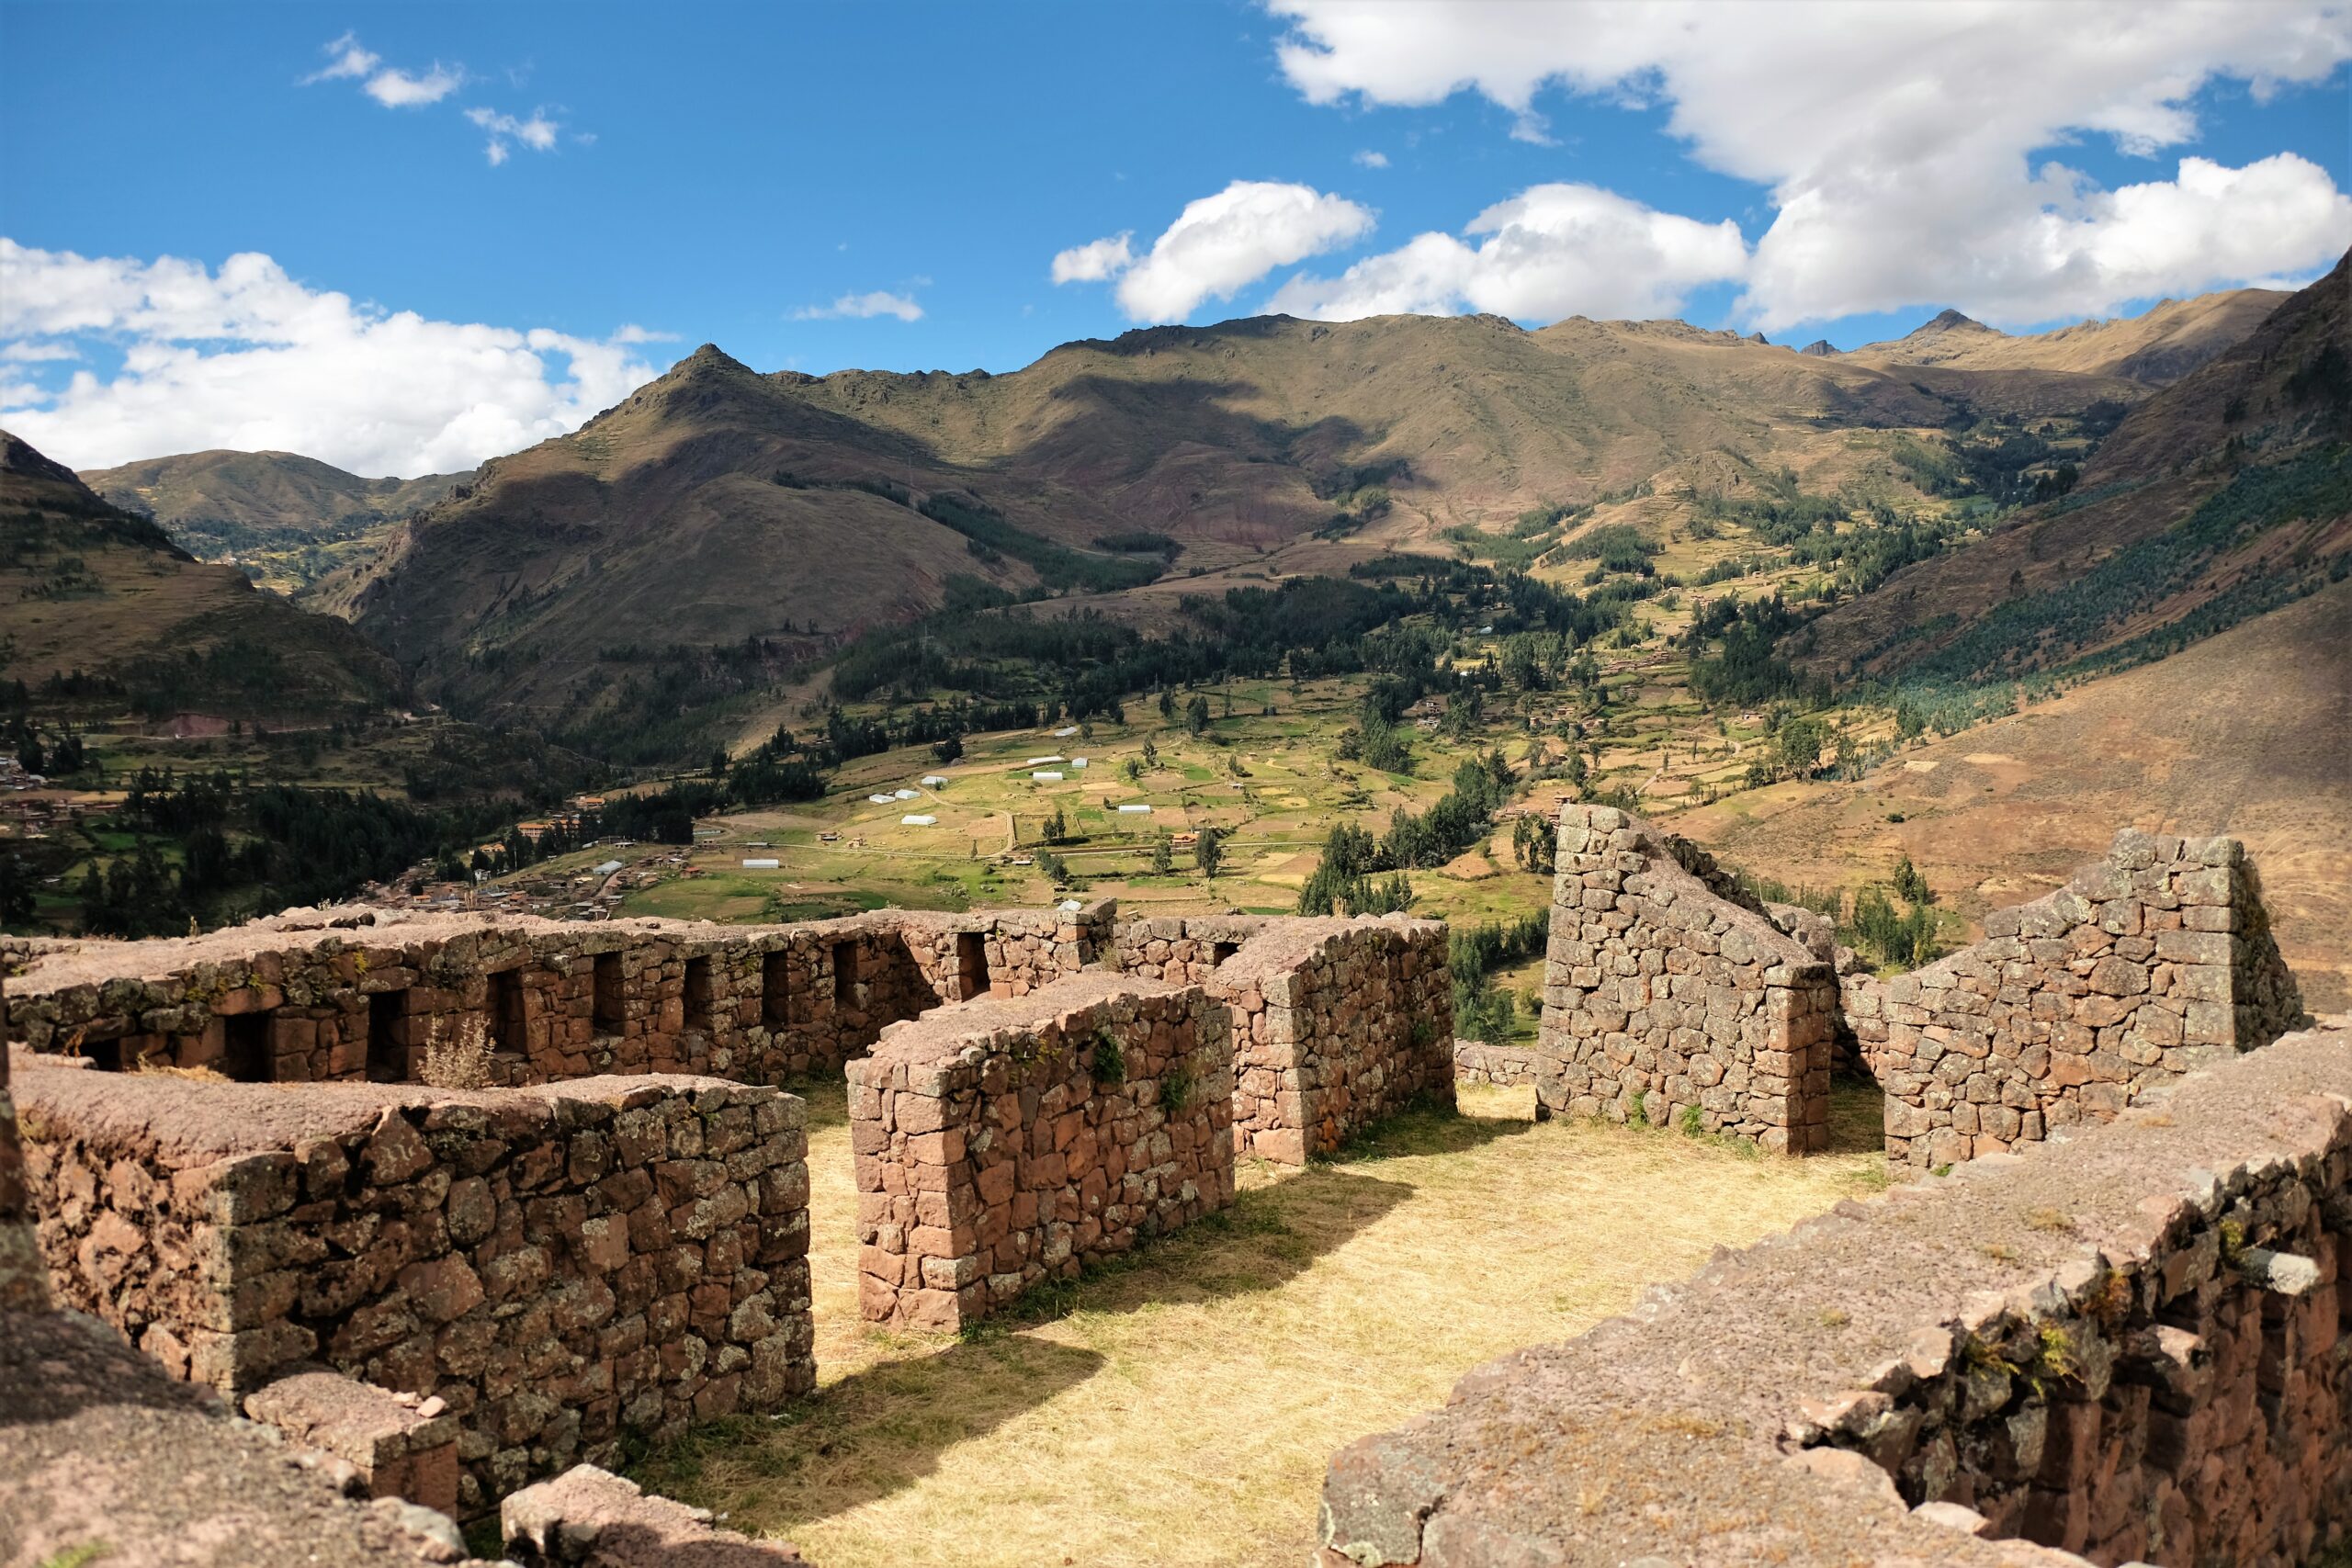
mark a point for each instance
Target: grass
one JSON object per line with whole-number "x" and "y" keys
{"x": 1179, "y": 1407}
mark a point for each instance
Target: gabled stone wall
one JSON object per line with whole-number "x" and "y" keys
{"x": 2143, "y": 966}
{"x": 1010, "y": 1140}
{"x": 365, "y": 994}
{"x": 2130, "y": 1347}
{"x": 1663, "y": 999}
{"x": 559, "y": 1265}
{"x": 1184, "y": 948}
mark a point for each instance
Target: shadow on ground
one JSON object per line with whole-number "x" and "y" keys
{"x": 873, "y": 1432}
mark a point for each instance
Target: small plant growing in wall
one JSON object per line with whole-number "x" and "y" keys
{"x": 458, "y": 1058}
{"x": 1176, "y": 1088}
{"x": 1110, "y": 1063}
{"x": 1693, "y": 1122}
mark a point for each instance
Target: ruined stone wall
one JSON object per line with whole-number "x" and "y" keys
{"x": 2130, "y": 1347}
{"x": 1016, "y": 1140}
{"x": 365, "y": 994}
{"x": 1501, "y": 1066}
{"x": 1663, "y": 998}
{"x": 558, "y": 1264}
{"x": 2142, "y": 965}
{"x": 24, "y": 1278}
{"x": 1337, "y": 1023}
{"x": 1184, "y": 948}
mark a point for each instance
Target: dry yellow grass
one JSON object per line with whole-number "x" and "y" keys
{"x": 1181, "y": 1409}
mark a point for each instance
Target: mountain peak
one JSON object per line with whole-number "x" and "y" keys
{"x": 1953, "y": 321}
{"x": 1820, "y": 348}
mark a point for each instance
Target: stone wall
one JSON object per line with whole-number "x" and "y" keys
{"x": 363, "y": 994}
{"x": 556, "y": 1265}
{"x": 1010, "y": 1140}
{"x": 1666, "y": 999}
{"x": 1184, "y": 948}
{"x": 589, "y": 1517}
{"x": 2130, "y": 1347}
{"x": 24, "y": 1278}
{"x": 1337, "y": 1023}
{"x": 1500, "y": 1066}
{"x": 2144, "y": 965}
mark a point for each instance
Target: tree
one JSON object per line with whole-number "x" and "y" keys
{"x": 1167, "y": 702}
{"x": 1163, "y": 853}
{"x": 1132, "y": 768}
{"x": 1196, "y": 715}
{"x": 1056, "y": 827}
{"x": 947, "y": 751}
{"x": 1208, "y": 851}
{"x": 1910, "y": 883}
{"x": 1151, "y": 753}
{"x": 718, "y": 762}
{"x": 29, "y": 757}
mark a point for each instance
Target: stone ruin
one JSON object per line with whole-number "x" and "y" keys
{"x": 1003, "y": 1143}
{"x": 447, "y": 1294}
{"x": 2146, "y": 964}
{"x": 2131, "y": 1344}
{"x": 1670, "y": 999}
{"x": 556, "y": 1264}
{"x": 2130, "y": 1347}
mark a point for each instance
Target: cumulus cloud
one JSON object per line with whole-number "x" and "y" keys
{"x": 538, "y": 132}
{"x": 397, "y": 89}
{"x": 1095, "y": 261}
{"x": 1898, "y": 141}
{"x": 1218, "y": 245}
{"x": 1372, "y": 160}
{"x": 247, "y": 357}
{"x": 1552, "y": 251}
{"x": 863, "y": 306}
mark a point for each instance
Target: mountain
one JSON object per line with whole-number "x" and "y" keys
{"x": 287, "y": 520}
{"x": 2156, "y": 348}
{"x": 101, "y": 612}
{"x": 722, "y": 508}
{"x": 261, "y": 489}
{"x": 2220, "y": 496}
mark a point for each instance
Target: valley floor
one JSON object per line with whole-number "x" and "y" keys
{"x": 1181, "y": 1409}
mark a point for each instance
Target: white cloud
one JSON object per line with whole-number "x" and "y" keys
{"x": 1218, "y": 245}
{"x": 248, "y": 358}
{"x": 397, "y": 89}
{"x": 538, "y": 132}
{"x": 1897, "y": 140}
{"x": 863, "y": 306}
{"x": 1552, "y": 251}
{"x": 350, "y": 59}
{"x": 1372, "y": 160}
{"x": 31, "y": 353}
{"x": 1095, "y": 261}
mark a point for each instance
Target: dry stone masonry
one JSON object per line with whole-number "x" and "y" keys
{"x": 557, "y": 1266}
{"x": 1337, "y": 1023}
{"x": 24, "y": 1278}
{"x": 361, "y": 994}
{"x": 1670, "y": 999}
{"x": 2146, "y": 964}
{"x": 1013, "y": 1141}
{"x": 2130, "y": 1347}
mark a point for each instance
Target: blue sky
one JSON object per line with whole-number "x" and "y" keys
{"x": 737, "y": 174}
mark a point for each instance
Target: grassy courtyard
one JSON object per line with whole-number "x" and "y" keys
{"x": 1180, "y": 1408}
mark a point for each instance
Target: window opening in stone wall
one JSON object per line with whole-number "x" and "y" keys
{"x": 972, "y": 964}
{"x": 844, "y": 974}
{"x": 1221, "y": 950}
{"x": 388, "y": 1037}
{"x": 775, "y": 987}
{"x": 608, "y": 1006}
{"x": 506, "y": 1010}
{"x": 698, "y": 994}
{"x": 245, "y": 1055}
